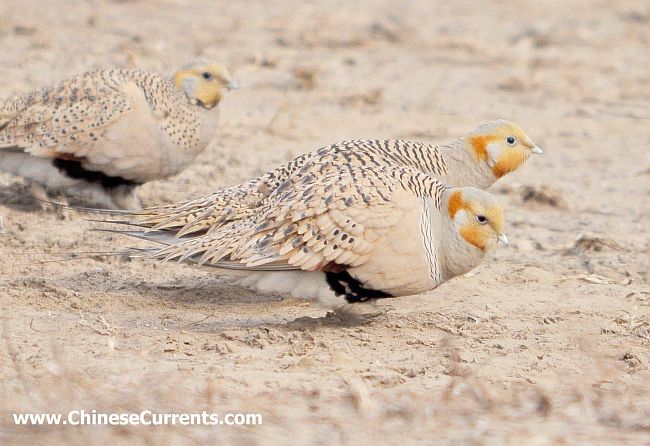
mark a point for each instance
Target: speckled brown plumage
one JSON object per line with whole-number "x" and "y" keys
{"x": 130, "y": 124}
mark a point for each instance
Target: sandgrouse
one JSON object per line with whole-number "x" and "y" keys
{"x": 347, "y": 233}
{"x": 109, "y": 131}
{"x": 477, "y": 159}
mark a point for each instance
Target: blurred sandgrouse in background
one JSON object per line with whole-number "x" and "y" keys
{"x": 106, "y": 132}
{"x": 477, "y": 159}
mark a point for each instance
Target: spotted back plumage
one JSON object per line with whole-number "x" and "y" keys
{"x": 242, "y": 200}
{"x": 316, "y": 221}
{"x": 131, "y": 126}
{"x": 74, "y": 115}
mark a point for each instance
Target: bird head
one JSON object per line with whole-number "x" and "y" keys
{"x": 502, "y": 145}
{"x": 477, "y": 216}
{"x": 204, "y": 84}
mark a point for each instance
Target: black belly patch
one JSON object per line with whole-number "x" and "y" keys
{"x": 75, "y": 170}
{"x": 343, "y": 284}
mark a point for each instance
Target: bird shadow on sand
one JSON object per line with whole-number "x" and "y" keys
{"x": 218, "y": 293}
{"x": 18, "y": 196}
{"x": 308, "y": 324}
{"x": 333, "y": 318}
{"x": 311, "y": 324}
{"x": 202, "y": 291}
{"x": 212, "y": 304}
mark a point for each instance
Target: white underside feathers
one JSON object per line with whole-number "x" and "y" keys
{"x": 298, "y": 284}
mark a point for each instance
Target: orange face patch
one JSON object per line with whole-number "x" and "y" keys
{"x": 455, "y": 203}
{"x": 209, "y": 95}
{"x": 509, "y": 161}
{"x": 208, "y": 92}
{"x": 477, "y": 234}
{"x": 479, "y": 145}
{"x": 179, "y": 77}
{"x": 474, "y": 235}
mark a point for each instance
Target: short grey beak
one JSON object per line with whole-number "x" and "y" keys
{"x": 537, "y": 150}
{"x": 233, "y": 85}
{"x": 503, "y": 238}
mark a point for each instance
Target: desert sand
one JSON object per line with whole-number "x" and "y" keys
{"x": 546, "y": 343}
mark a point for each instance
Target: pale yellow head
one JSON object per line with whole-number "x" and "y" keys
{"x": 477, "y": 216}
{"x": 204, "y": 84}
{"x": 502, "y": 145}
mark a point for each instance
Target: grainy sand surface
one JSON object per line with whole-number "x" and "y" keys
{"x": 545, "y": 343}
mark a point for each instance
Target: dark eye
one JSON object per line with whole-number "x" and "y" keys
{"x": 206, "y": 75}
{"x": 482, "y": 219}
{"x": 511, "y": 140}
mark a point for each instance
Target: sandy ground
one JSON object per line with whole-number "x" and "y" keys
{"x": 545, "y": 343}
